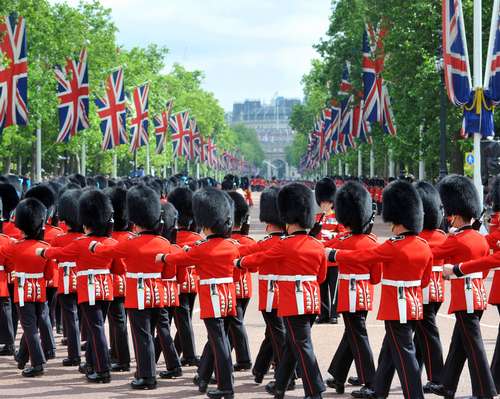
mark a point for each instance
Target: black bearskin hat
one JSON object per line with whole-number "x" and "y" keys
{"x": 495, "y": 194}
{"x": 353, "y": 207}
{"x": 169, "y": 215}
{"x": 143, "y": 206}
{"x": 269, "y": 207}
{"x": 30, "y": 217}
{"x": 459, "y": 197}
{"x": 43, "y": 193}
{"x": 182, "y": 199}
{"x": 296, "y": 205}
{"x": 16, "y": 182}
{"x": 241, "y": 209}
{"x": 325, "y": 190}
{"x": 10, "y": 199}
{"x": 401, "y": 204}
{"x": 95, "y": 211}
{"x": 431, "y": 202}
{"x": 67, "y": 208}
{"x": 78, "y": 179}
{"x": 118, "y": 197}
{"x": 213, "y": 209}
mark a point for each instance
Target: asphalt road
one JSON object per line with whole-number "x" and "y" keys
{"x": 62, "y": 382}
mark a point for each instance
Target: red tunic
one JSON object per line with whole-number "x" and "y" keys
{"x": 301, "y": 266}
{"x": 242, "y": 277}
{"x": 355, "y": 290}
{"x": 434, "y": 292}
{"x": 145, "y": 286}
{"x": 51, "y": 232}
{"x": 93, "y": 270}
{"x": 68, "y": 268}
{"x": 4, "y": 289}
{"x": 119, "y": 286}
{"x": 186, "y": 275}
{"x": 329, "y": 226}
{"x": 467, "y": 293}
{"x": 268, "y": 280}
{"x": 34, "y": 271}
{"x": 10, "y": 229}
{"x": 213, "y": 259}
{"x": 406, "y": 268}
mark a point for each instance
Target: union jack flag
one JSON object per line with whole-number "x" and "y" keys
{"x": 13, "y": 72}
{"x": 194, "y": 139}
{"x": 211, "y": 153}
{"x": 112, "y": 112}
{"x": 456, "y": 58}
{"x": 161, "y": 126}
{"x": 180, "y": 130}
{"x": 492, "y": 78}
{"x": 345, "y": 85}
{"x": 139, "y": 129}
{"x": 372, "y": 109}
{"x": 388, "y": 117}
{"x": 73, "y": 96}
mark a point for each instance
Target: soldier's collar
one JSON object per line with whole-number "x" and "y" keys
{"x": 276, "y": 233}
{"x": 408, "y": 233}
{"x": 215, "y": 236}
{"x": 466, "y": 227}
{"x": 147, "y": 232}
{"x": 299, "y": 232}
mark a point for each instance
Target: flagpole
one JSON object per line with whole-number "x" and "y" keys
{"x": 187, "y": 167}
{"x": 372, "y": 162}
{"x": 391, "y": 163}
{"x": 84, "y": 158}
{"x": 478, "y": 65}
{"x": 340, "y": 167}
{"x": 197, "y": 171}
{"x": 114, "y": 168}
{"x": 38, "y": 175}
{"x": 148, "y": 159}
{"x": 360, "y": 163}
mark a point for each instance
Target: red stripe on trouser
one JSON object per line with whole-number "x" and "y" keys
{"x": 360, "y": 364}
{"x": 428, "y": 357}
{"x": 400, "y": 359}
{"x": 469, "y": 341}
{"x": 304, "y": 368}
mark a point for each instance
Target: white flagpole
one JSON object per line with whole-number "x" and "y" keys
{"x": 84, "y": 158}
{"x": 478, "y": 66}
{"x": 175, "y": 165}
{"x": 114, "y": 169}
{"x": 148, "y": 159}
{"x": 38, "y": 175}
{"x": 360, "y": 163}
{"x": 372, "y": 162}
{"x": 391, "y": 164}
{"x": 197, "y": 170}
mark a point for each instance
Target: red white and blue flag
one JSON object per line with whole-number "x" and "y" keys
{"x": 492, "y": 78}
{"x": 13, "y": 72}
{"x": 372, "y": 107}
{"x": 139, "y": 122}
{"x": 180, "y": 133}
{"x": 73, "y": 96}
{"x": 345, "y": 84}
{"x": 455, "y": 56}
{"x": 211, "y": 153}
{"x": 388, "y": 117}
{"x": 194, "y": 140}
{"x": 112, "y": 112}
{"x": 161, "y": 126}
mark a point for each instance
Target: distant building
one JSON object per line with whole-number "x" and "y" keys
{"x": 271, "y": 122}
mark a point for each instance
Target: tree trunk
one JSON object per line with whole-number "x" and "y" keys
{"x": 457, "y": 156}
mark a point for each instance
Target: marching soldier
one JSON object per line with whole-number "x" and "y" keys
{"x": 300, "y": 267}
{"x": 94, "y": 283}
{"x": 272, "y": 346}
{"x": 31, "y": 275}
{"x": 181, "y": 198}
{"x": 427, "y": 341}
{"x": 325, "y": 193}
{"x": 406, "y": 268}
{"x": 353, "y": 207}
{"x": 67, "y": 207}
{"x": 213, "y": 259}
{"x": 243, "y": 284}
{"x": 147, "y": 298}
{"x": 468, "y": 295}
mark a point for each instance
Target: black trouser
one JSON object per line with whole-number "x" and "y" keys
{"x": 428, "y": 344}
{"x": 299, "y": 349}
{"x": 6, "y": 327}
{"x": 238, "y": 337}
{"x": 52, "y": 303}
{"x": 495, "y": 362}
{"x": 217, "y": 352}
{"x": 69, "y": 307}
{"x": 97, "y": 353}
{"x": 184, "y": 336}
{"x": 118, "y": 334}
{"x": 354, "y": 346}
{"x": 164, "y": 341}
{"x": 328, "y": 292}
{"x": 15, "y": 316}
{"x": 398, "y": 354}
{"x": 46, "y": 332}
{"x": 467, "y": 343}
{"x": 30, "y": 315}
{"x": 273, "y": 344}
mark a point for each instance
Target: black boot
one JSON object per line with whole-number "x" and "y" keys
{"x": 271, "y": 389}
{"x": 99, "y": 378}
{"x": 242, "y": 366}
{"x": 169, "y": 374}
{"x": 85, "y": 368}
{"x": 354, "y": 381}
{"x": 429, "y": 386}
{"x": 317, "y": 396}
{"x": 117, "y": 367}
{"x": 68, "y": 362}
{"x": 218, "y": 394}
{"x": 194, "y": 361}
{"x": 50, "y": 354}
{"x": 364, "y": 392}
{"x": 33, "y": 371}
{"x": 439, "y": 390}
{"x": 8, "y": 350}
{"x": 143, "y": 383}
{"x": 202, "y": 384}
{"x": 338, "y": 386}
{"x": 258, "y": 376}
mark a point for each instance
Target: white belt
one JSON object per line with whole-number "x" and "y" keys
{"x": 140, "y": 285}
{"x": 21, "y": 281}
{"x": 299, "y": 293}
{"x": 496, "y": 269}
{"x": 66, "y": 266}
{"x": 352, "y": 278}
{"x": 401, "y": 285}
{"x": 270, "y": 278}
{"x": 90, "y": 273}
{"x": 214, "y": 293}
{"x": 221, "y": 280}
{"x": 469, "y": 292}
{"x": 437, "y": 268}
{"x": 2, "y": 268}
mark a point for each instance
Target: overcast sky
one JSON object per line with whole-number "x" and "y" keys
{"x": 246, "y": 48}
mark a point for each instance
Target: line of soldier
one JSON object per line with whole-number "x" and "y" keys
{"x": 292, "y": 265}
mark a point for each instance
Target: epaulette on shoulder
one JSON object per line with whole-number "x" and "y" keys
{"x": 235, "y": 242}
{"x": 286, "y": 237}
{"x": 43, "y": 242}
{"x": 397, "y": 238}
{"x": 81, "y": 238}
{"x": 422, "y": 239}
{"x": 199, "y": 242}
{"x": 345, "y": 236}
{"x": 441, "y": 231}
{"x": 266, "y": 238}
{"x": 251, "y": 238}
{"x": 315, "y": 239}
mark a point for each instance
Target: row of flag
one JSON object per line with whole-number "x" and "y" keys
{"x": 348, "y": 120}
{"x": 112, "y": 108}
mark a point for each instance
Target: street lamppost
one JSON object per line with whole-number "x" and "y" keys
{"x": 443, "y": 170}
